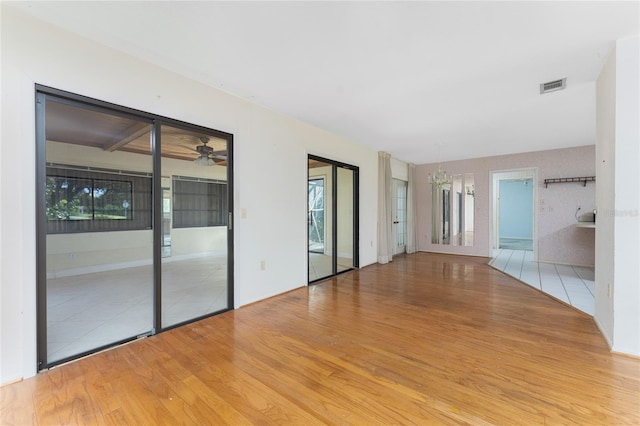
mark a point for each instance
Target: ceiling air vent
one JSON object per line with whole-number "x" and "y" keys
{"x": 552, "y": 86}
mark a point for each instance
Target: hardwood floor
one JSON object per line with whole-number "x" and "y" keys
{"x": 427, "y": 339}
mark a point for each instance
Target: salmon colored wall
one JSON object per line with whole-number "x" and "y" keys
{"x": 554, "y": 211}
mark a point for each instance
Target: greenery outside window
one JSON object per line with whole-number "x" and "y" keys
{"x": 83, "y": 199}
{"x": 88, "y": 199}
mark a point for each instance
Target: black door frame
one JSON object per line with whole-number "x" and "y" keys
{"x": 334, "y": 214}
{"x": 42, "y": 94}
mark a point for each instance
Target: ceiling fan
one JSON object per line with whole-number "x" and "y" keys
{"x": 208, "y": 156}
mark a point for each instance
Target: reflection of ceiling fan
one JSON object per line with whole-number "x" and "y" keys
{"x": 207, "y": 154}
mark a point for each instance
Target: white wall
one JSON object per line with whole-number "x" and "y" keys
{"x": 399, "y": 169}
{"x": 270, "y": 170}
{"x": 605, "y": 172}
{"x": 626, "y": 286}
{"x": 618, "y": 198}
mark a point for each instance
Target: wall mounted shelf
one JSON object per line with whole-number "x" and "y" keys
{"x": 584, "y": 180}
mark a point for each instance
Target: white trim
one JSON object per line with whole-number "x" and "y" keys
{"x": 603, "y": 332}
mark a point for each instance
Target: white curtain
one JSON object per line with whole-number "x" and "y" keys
{"x": 412, "y": 226}
{"x": 385, "y": 243}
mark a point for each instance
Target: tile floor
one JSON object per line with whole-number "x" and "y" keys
{"x": 85, "y": 312}
{"x": 574, "y": 285}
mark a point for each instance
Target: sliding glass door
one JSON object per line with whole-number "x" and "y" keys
{"x": 134, "y": 226}
{"x": 332, "y": 217}
{"x": 99, "y": 229}
{"x": 194, "y": 274}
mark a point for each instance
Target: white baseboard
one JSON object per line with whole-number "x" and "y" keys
{"x": 604, "y": 334}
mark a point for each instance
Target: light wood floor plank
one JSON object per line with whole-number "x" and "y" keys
{"x": 426, "y": 339}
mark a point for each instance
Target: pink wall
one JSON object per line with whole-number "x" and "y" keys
{"x": 558, "y": 240}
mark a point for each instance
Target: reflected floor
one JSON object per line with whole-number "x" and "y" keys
{"x": 320, "y": 265}
{"x": 88, "y": 311}
{"x": 574, "y": 285}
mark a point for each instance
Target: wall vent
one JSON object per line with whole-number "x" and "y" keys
{"x": 552, "y": 86}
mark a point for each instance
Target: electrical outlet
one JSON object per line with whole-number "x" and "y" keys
{"x": 609, "y": 290}
{"x": 263, "y": 265}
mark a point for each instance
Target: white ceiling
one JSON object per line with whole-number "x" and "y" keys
{"x": 424, "y": 81}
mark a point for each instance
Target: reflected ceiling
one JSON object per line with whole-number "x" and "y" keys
{"x": 81, "y": 126}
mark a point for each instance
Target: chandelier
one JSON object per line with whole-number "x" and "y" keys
{"x": 439, "y": 178}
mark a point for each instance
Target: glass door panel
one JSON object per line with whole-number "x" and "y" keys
{"x": 320, "y": 219}
{"x": 399, "y": 215}
{"x": 194, "y": 270}
{"x": 98, "y": 222}
{"x": 345, "y": 223}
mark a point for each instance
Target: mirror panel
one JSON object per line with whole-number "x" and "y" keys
{"x": 469, "y": 201}
{"x": 452, "y": 212}
{"x": 456, "y": 210}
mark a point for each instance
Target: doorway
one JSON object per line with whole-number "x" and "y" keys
{"x": 513, "y": 210}
{"x": 332, "y": 218}
{"x": 133, "y": 224}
